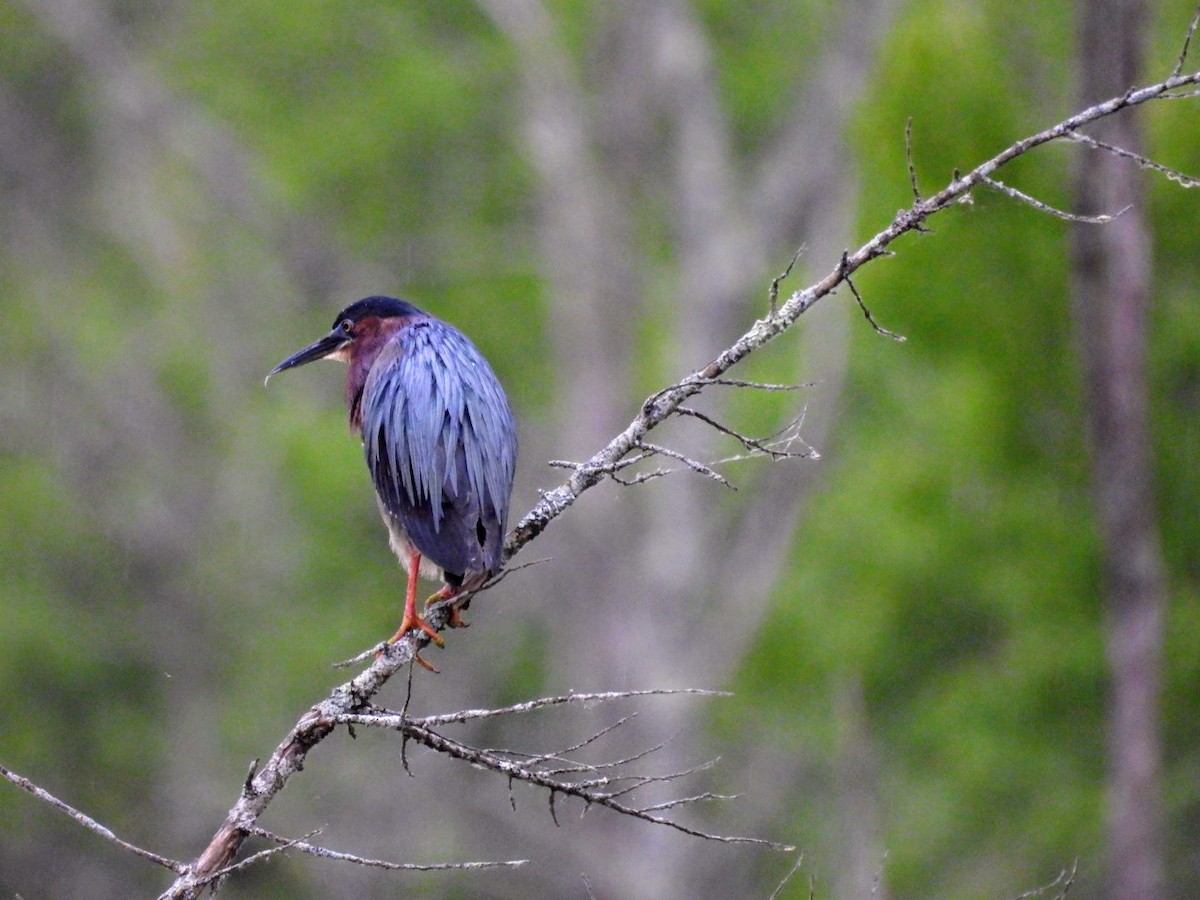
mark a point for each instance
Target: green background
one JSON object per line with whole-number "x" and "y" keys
{"x": 192, "y": 195}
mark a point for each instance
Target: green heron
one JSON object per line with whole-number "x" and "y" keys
{"x": 439, "y": 438}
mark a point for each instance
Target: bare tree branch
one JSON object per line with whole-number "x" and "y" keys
{"x": 912, "y": 169}
{"x": 1187, "y": 40}
{"x": 788, "y": 877}
{"x": 88, "y": 822}
{"x": 1010, "y": 191}
{"x": 1143, "y": 162}
{"x": 1062, "y": 882}
{"x": 585, "y": 791}
{"x": 663, "y": 405}
{"x": 325, "y": 853}
{"x": 544, "y": 702}
{"x": 773, "y": 293}
{"x": 879, "y": 329}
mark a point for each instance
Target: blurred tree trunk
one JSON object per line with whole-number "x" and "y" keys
{"x": 1111, "y": 294}
{"x": 630, "y": 136}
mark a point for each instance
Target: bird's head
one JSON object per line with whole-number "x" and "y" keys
{"x": 361, "y": 327}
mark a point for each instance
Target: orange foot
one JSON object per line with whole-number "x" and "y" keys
{"x": 413, "y": 622}
{"x": 416, "y": 623}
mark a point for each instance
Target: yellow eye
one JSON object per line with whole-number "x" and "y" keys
{"x": 347, "y": 327}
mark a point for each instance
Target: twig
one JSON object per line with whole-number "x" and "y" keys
{"x": 671, "y": 804}
{"x": 544, "y": 702}
{"x": 908, "y": 156}
{"x": 756, "y": 446}
{"x": 477, "y": 757}
{"x": 696, "y": 466}
{"x": 773, "y": 293}
{"x": 1143, "y": 162}
{"x": 325, "y": 853}
{"x": 788, "y": 877}
{"x": 1010, "y": 191}
{"x": 560, "y": 755}
{"x": 1187, "y": 40}
{"x": 1063, "y": 881}
{"x": 604, "y": 789}
{"x": 361, "y": 657}
{"x": 88, "y": 822}
{"x": 879, "y": 329}
{"x": 758, "y": 385}
{"x": 614, "y": 467}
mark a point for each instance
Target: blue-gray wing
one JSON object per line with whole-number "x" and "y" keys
{"x": 441, "y": 445}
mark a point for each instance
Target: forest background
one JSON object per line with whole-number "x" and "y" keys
{"x": 600, "y": 195}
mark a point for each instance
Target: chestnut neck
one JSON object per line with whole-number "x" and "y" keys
{"x": 371, "y": 335}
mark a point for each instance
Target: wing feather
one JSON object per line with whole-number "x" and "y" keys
{"x": 441, "y": 445}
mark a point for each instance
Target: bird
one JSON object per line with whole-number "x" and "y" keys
{"x": 439, "y": 438}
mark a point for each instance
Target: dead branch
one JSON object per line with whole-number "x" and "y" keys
{"x": 773, "y": 293}
{"x": 1143, "y": 162}
{"x": 1062, "y": 883}
{"x": 1010, "y": 191}
{"x": 515, "y": 767}
{"x": 88, "y": 822}
{"x": 788, "y": 877}
{"x": 862, "y": 305}
{"x": 325, "y": 853}
{"x": 664, "y": 404}
{"x": 912, "y": 169}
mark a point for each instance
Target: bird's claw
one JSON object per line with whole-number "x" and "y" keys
{"x": 414, "y": 623}
{"x": 424, "y": 665}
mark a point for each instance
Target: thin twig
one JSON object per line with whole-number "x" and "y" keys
{"x": 1143, "y": 162}
{"x": 325, "y": 853}
{"x": 759, "y": 385}
{"x": 614, "y": 467}
{"x": 773, "y": 293}
{"x": 788, "y": 877}
{"x": 756, "y": 446}
{"x": 560, "y": 755}
{"x": 1010, "y": 191}
{"x": 908, "y": 156}
{"x": 474, "y": 756}
{"x": 88, "y": 822}
{"x": 1063, "y": 881}
{"x": 467, "y": 715}
{"x": 696, "y": 466}
{"x": 879, "y": 329}
{"x": 1187, "y": 40}
{"x": 681, "y": 801}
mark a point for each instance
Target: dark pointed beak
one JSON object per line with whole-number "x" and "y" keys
{"x": 319, "y": 349}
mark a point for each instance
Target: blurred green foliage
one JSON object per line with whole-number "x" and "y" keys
{"x": 946, "y": 561}
{"x": 950, "y": 562}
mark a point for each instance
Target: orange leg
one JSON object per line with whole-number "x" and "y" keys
{"x": 411, "y": 620}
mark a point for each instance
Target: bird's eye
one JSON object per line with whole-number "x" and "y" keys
{"x": 347, "y": 327}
